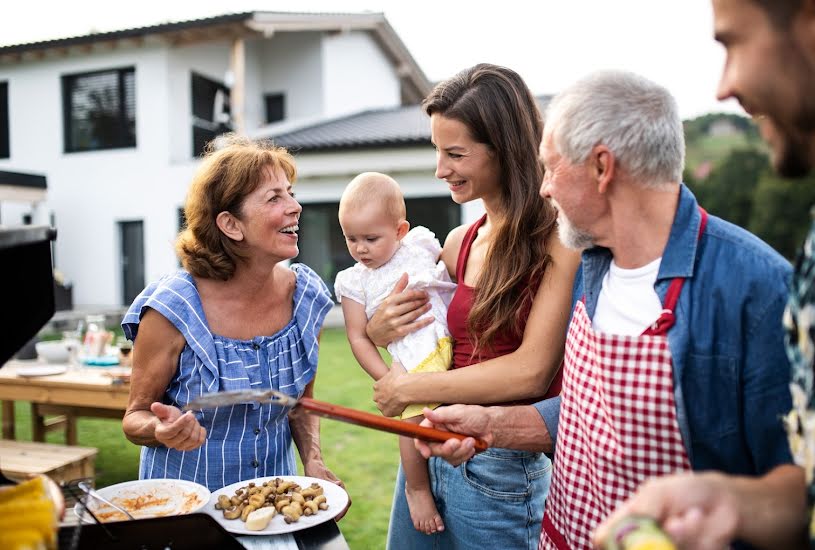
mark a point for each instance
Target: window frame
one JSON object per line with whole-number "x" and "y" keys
{"x": 198, "y": 123}
{"x": 67, "y": 104}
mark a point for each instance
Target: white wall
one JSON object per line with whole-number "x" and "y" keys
{"x": 90, "y": 192}
{"x": 356, "y": 74}
{"x": 291, "y": 63}
{"x": 210, "y": 60}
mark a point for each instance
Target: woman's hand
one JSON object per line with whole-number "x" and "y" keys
{"x": 317, "y": 468}
{"x": 177, "y": 430}
{"x": 399, "y": 314}
{"x": 386, "y": 391}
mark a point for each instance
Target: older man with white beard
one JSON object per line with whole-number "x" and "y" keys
{"x": 675, "y": 356}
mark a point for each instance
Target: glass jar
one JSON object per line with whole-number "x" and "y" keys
{"x": 96, "y": 336}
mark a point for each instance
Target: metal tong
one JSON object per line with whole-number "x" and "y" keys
{"x": 328, "y": 410}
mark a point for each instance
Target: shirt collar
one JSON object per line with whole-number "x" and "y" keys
{"x": 679, "y": 256}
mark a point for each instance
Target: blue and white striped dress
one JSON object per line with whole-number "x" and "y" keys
{"x": 243, "y": 441}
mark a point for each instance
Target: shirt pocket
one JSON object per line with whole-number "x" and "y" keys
{"x": 712, "y": 396}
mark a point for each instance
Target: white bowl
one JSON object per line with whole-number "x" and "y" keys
{"x": 54, "y": 351}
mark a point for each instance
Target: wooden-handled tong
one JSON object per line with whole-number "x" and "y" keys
{"x": 328, "y": 410}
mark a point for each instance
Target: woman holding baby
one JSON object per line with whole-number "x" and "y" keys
{"x": 508, "y": 316}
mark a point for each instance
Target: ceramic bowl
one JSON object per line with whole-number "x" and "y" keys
{"x": 54, "y": 351}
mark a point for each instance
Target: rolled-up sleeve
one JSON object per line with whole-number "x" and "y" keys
{"x": 549, "y": 410}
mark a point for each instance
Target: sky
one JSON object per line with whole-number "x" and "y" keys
{"x": 550, "y": 43}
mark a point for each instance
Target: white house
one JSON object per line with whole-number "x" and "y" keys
{"x": 115, "y": 122}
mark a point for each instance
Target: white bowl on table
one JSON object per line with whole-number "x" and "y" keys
{"x": 53, "y": 351}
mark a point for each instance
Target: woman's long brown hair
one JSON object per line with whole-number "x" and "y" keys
{"x": 500, "y": 112}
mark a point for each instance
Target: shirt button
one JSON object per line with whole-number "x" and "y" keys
{"x": 255, "y": 346}
{"x": 254, "y": 464}
{"x": 257, "y": 431}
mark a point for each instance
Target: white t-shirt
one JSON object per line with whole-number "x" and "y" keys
{"x": 628, "y": 303}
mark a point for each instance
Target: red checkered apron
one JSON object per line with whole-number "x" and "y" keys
{"x": 617, "y": 425}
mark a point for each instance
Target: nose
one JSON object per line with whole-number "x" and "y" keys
{"x": 442, "y": 169}
{"x": 545, "y": 190}
{"x": 725, "y": 88}
{"x": 295, "y": 207}
{"x": 362, "y": 248}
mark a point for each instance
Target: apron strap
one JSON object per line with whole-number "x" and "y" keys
{"x": 555, "y": 536}
{"x": 667, "y": 318}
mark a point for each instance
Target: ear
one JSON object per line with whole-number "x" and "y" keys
{"x": 402, "y": 229}
{"x": 229, "y": 226}
{"x": 603, "y": 165}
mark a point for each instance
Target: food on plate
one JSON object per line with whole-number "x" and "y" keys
{"x": 28, "y": 516}
{"x": 257, "y": 520}
{"x": 147, "y": 499}
{"x": 272, "y": 497}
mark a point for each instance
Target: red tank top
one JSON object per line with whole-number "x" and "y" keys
{"x": 459, "y": 310}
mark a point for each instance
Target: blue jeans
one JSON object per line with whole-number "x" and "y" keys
{"x": 494, "y": 500}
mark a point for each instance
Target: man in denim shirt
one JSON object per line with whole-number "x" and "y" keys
{"x": 675, "y": 356}
{"x": 770, "y": 69}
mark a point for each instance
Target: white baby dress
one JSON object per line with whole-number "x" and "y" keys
{"x": 428, "y": 349}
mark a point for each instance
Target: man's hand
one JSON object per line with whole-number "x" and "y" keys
{"x": 177, "y": 430}
{"x": 471, "y": 420}
{"x": 707, "y": 511}
{"x": 398, "y": 314}
{"x": 697, "y": 511}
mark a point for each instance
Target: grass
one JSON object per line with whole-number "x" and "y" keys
{"x": 365, "y": 460}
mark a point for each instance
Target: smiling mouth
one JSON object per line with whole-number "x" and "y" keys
{"x": 291, "y": 230}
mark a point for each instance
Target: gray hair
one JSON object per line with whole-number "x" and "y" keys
{"x": 638, "y": 120}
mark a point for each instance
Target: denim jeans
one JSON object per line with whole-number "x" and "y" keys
{"x": 494, "y": 500}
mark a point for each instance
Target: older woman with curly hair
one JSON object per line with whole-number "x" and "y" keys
{"x": 234, "y": 318}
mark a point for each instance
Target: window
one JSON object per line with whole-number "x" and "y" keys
{"x": 210, "y": 112}
{"x": 5, "y": 149}
{"x": 275, "y": 107}
{"x": 99, "y": 110}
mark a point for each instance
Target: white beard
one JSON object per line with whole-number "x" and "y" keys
{"x": 571, "y": 236}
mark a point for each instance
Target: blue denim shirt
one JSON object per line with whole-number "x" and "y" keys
{"x": 731, "y": 373}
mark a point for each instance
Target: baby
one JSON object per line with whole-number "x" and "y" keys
{"x": 372, "y": 216}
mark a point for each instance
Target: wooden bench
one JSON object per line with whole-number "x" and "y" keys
{"x": 19, "y": 459}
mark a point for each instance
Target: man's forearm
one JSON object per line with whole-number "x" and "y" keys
{"x": 521, "y": 428}
{"x": 772, "y": 509}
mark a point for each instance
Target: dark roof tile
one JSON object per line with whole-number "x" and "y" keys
{"x": 389, "y": 127}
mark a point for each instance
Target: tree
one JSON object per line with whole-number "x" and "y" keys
{"x": 781, "y": 212}
{"x": 728, "y": 191}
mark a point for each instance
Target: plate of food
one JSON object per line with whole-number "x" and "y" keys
{"x": 276, "y": 505}
{"x": 146, "y": 498}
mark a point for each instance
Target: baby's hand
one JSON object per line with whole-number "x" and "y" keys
{"x": 398, "y": 366}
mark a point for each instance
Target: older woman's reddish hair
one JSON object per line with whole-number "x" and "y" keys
{"x": 233, "y": 166}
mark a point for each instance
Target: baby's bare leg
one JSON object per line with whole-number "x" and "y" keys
{"x": 420, "y": 501}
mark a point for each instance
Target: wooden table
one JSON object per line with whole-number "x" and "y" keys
{"x": 85, "y": 391}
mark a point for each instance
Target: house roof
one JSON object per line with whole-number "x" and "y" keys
{"x": 393, "y": 127}
{"x": 406, "y": 125}
{"x": 246, "y": 24}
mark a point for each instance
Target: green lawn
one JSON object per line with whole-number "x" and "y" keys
{"x": 365, "y": 460}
